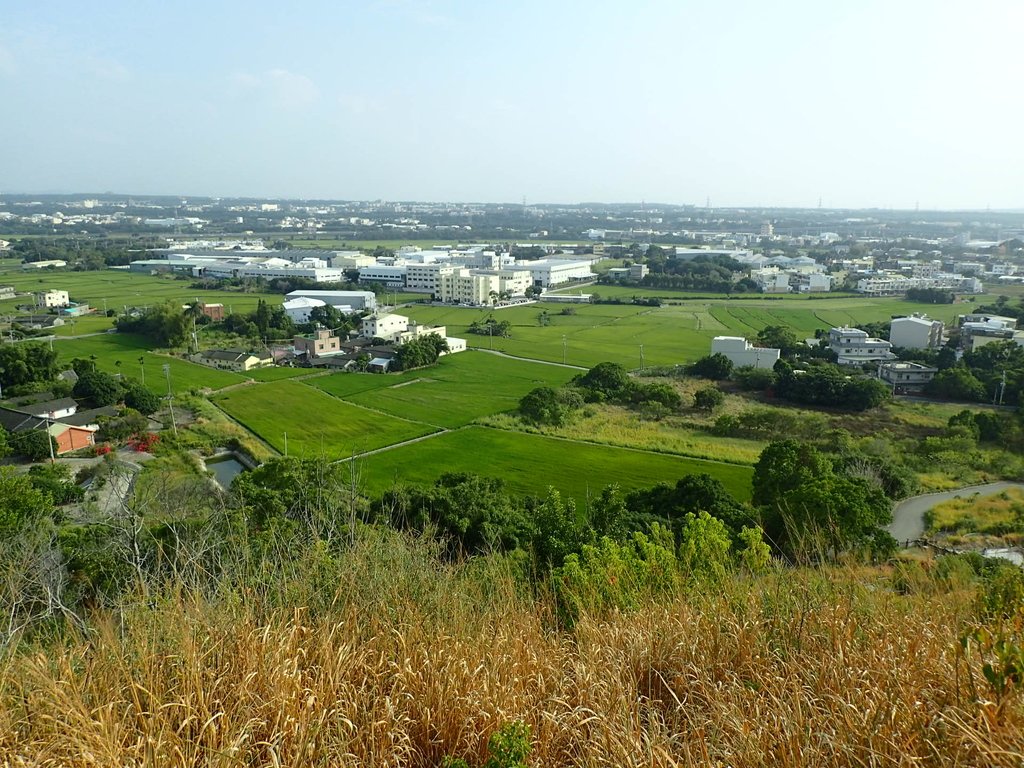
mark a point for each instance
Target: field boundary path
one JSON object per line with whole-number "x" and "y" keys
{"x": 410, "y": 441}
{"x": 530, "y": 359}
{"x": 908, "y": 515}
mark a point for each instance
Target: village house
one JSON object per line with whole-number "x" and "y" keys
{"x": 233, "y": 359}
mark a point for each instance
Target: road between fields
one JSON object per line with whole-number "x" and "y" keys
{"x": 530, "y": 359}
{"x": 908, "y": 515}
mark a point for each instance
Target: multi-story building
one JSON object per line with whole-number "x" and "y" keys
{"x": 905, "y": 377}
{"x": 322, "y": 344}
{"x": 7, "y": 292}
{"x": 392, "y": 275}
{"x": 387, "y": 327}
{"x": 916, "y": 332}
{"x": 52, "y": 299}
{"x": 893, "y": 285}
{"x": 853, "y": 346}
{"x": 427, "y": 277}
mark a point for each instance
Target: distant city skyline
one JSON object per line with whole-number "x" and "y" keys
{"x": 887, "y": 105}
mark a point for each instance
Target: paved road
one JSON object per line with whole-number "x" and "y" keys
{"x": 908, "y": 515}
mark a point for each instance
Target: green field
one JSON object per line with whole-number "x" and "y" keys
{"x": 316, "y": 423}
{"x": 110, "y": 349}
{"x": 675, "y": 333}
{"x": 116, "y": 289}
{"x": 459, "y": 389}
{"x": 530, "y": 463}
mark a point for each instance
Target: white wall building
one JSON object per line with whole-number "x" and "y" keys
{"x": 388, "y": 327}
{"x": 547, "y": 272}
{"x": 357, "y": 300}
{"x": 51, "y": 299}
{"x": 392, "y": 275}
{"x": 744, "y": 354}
{"x": 298, "y": 309}
{"x": 426, "y": 277}
{"x": 352, "y": 260}
{"x": 916, "y": 332}
{"x": 853, "y": 346}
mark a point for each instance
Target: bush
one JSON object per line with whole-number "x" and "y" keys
{"x": 707, "y": 399}
{"x": 716, "y": 367}
{"x": 750, "y": 378}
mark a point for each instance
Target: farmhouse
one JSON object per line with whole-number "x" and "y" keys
{"x": 52, "y": 299}
{"x": 68, "y": 437}
{"x": 233, "y": 359}
{"x": 853, "y": 346}
{"x": 905, "y": 377}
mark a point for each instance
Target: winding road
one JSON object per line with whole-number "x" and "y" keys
{"x": 908, "y": 516}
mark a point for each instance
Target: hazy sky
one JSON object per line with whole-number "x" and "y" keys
{"x": 748, "y": 102}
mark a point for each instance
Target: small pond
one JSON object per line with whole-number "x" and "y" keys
{"x": 225, "y": 469}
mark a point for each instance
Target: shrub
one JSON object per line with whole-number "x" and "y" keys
{"x": 707, "y": 399}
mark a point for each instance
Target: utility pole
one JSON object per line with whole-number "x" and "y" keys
{"x": 641, "y": 358}
{"x": 170, "y": 398}
{"x": 142, "y": 367}
{"x": 563, "y": 349}
{"x": 286, "y": 445}
{"x": 49, "y": 440}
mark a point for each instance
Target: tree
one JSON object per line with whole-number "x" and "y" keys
{"x": 420, "y": 352}
{"x": 545, "y": 405}
{"x": 606, "y": 381}
{"x": 716, "y": 367}
{"x": 957, "y": 383}
{"x": 704, "y": 545}
{"x": 33, "y": 444}
{"x": 21, "y": 503}
{"x": 475, "y": 512}
{"x": 5, "y": 445}
{"x": 779, "y": 337}
{"x": 809, "y": 510}
{"x": 707, "y": 399}
{"x": 98, "y": 387}
{"x": 559, "y": 531}
{"x": 26, "y": 363}
{"x": 143, "y": 400}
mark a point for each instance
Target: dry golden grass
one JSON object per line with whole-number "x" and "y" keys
{"x": 405, "y": 664}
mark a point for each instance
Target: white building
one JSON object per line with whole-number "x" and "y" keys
{"x": 393, "y": 275}
{"x": 51, "y": 299}
{"x": 426, "y": 277}
{"x": 906, "y": 377}
{"x": 744, "y": 354}
{"x": 388, "y": 327}
{"x": 352, "y": 260}
{"x": 547, "y": 272}
{"x": 853, "y": 346}
{"x": 298, "y": 309}
{"x": 481, "y": 287}
{"x": 357, "y": 300}
{"x": 916, "y": 332}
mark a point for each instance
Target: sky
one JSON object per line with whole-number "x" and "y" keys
{"x": 856, "y": 103}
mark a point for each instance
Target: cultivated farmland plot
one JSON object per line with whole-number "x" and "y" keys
{"x": 121, "y": 288}
{"x": 108, "y": 350}
{"x": 676, "y": 333}
{"x": 317, "y": 424}
{"x": 459, "y": 389}
{"x": 530, "y": 463}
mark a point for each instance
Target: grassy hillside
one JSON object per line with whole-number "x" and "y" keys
{"x": 385, "y": 657}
